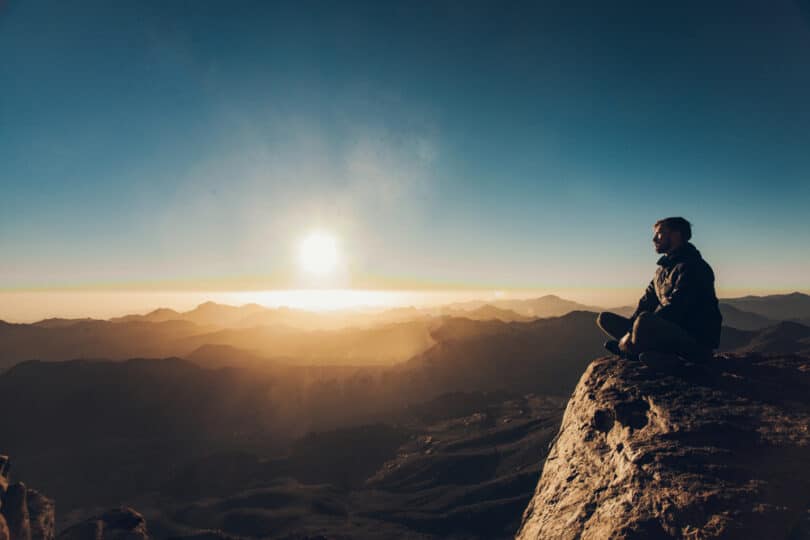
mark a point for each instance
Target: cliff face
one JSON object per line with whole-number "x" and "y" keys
{"x": 26, "y": 514}
{"x": 687, "y": 452}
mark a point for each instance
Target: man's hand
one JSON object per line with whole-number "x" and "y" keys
{"x": 625, "y": 344}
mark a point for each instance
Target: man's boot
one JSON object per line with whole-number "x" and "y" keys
{"x": 662, "y": 361}
{"x": 613, "y": 347}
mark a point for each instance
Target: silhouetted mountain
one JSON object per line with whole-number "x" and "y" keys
{"x": 91, "y": 339}
{"x": 60, "y": 323}
{"x": 783, "y": 337}
{"x": 220, "y": 356}
{"x": 158, "y": 315}
{"x": 489, "y": 312}
{"x": 743, "y": 320}
{"x": 378, "y": 345}
{"x": 491, "y": 355}
{"x": 381, "y": 344}
{"x": 732, "y": 339}
{"x": 544, "y": 306}
{"x": 222, "y": 316}
{"x": 213, "y": 314}
{"x": 780, "y": 307}
{"x": 363, "y": 338}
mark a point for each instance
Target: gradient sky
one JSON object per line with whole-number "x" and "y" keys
{"x": 445, "y": 144}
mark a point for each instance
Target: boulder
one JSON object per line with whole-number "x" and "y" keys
{"x": 117, "y": 524}
{"x": 15, "y": 510}
{"x": 4, "y": 467}
{"x": 25, "y": 514}
{"x": 41, "y": 515}
{"x": 680, "y": 451}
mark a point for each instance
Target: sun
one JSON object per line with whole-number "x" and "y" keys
{"x": 317, "y": 254}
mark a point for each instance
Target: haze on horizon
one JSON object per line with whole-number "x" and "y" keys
{"x": 187, "y": 151}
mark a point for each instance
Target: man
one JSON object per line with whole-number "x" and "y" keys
{"x": 678, "y": 313}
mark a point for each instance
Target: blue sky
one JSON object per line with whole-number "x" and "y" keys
{"x": 443, "y": 143}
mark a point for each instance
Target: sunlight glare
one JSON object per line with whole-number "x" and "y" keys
{"x": 318, "y": 254}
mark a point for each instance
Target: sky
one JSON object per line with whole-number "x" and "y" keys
{"x": 192, "y": 145}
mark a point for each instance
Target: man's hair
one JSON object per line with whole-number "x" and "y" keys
{"x": 677, "y": 224}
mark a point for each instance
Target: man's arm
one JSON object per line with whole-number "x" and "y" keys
{"x": 648, "y": 302}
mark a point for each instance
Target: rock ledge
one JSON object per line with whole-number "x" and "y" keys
{"x": 687, "y": 452}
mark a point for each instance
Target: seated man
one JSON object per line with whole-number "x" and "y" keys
{"x": 678, "y": 313}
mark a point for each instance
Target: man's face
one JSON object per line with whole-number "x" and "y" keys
{"x": 662, "y": 239}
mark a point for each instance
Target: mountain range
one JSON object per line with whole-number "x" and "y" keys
{"x": 425, "y": 423}
{"x": 297, "y": 336}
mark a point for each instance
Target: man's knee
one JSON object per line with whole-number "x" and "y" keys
{"x": 643, "y": 321}
{"x": 643, "y": 328}
{"x": 613, "y": 325}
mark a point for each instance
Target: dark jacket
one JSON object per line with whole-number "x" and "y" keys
{"x": 682, "y": 292}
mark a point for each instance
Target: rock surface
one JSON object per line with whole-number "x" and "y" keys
{"x": 15, "y": 510}
{"x": 685, "y": 451}
{"x": 4, "y": 533}
{"x": 25, "y": 514}
{"x": 42, "y": 516}
{"x": 117, "y": 524}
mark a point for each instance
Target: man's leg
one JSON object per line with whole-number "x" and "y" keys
{"x": 654, "y": 333}
{"x": 613, "y": 325}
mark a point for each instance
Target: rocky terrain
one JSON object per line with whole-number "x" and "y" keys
{"x": 460, "y": 466}
{"x": 27, "y": 514}
{"x": 233, "y": 442}
{"x": 681, "y": 452}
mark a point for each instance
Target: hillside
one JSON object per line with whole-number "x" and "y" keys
{"x": 88, "y": 339}
{"x": 780, "y": 307}
{"x": 460, "y": 466}
{"x": 782, "y": 337}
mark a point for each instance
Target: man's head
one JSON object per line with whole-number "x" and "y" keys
{"x": 671, "y": 233}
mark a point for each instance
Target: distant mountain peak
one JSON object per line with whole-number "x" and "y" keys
{"x": 162, "y": 310}
{"x": 795, "y": 305}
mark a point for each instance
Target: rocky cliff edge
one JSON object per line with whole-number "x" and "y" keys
{"x": 685, "y": 451}
{"x": 26, "y": 514}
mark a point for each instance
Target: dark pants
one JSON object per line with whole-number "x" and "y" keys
{"x": 649, "y": 332}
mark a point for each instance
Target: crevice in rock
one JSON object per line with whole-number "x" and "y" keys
{"x": 603, "y": 420}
